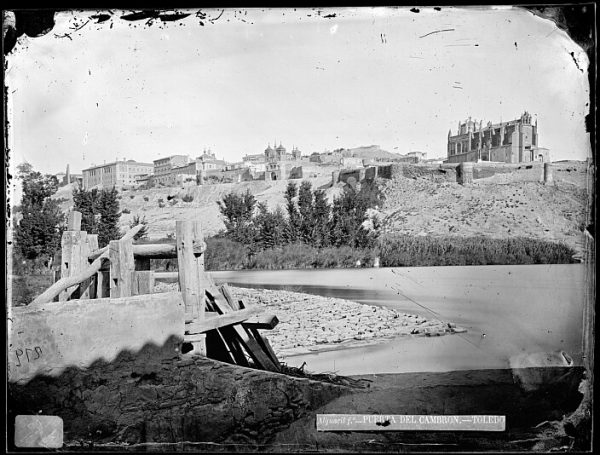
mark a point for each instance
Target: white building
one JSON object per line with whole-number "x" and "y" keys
{"x": 117, "y": 173}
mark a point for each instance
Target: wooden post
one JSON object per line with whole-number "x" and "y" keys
{"x": 142, "y": 282}
{"x": 56, "y": 278}
{"x": 88, "y": 288}
{"x": 121, "y": 266}
{"x": 93, "y": 242}
{"x": 74, "y": 221}
{"x": 190, "y": 267}
{"x": 74, "y": 249}
{"x": 102, "y": 284}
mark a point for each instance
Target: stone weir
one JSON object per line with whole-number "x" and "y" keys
{"x": 155, "y": 395}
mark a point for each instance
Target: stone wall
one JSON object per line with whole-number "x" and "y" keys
{"x": 47, "y": 339}
{"x": 143, "y": 397}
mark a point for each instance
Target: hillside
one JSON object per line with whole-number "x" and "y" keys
{"x": 503, "y": 205}
{"x": 422, "y": 201}
{"x": 161, "y": 220}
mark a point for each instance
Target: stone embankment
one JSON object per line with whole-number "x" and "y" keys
{"x": 139, "y": 398}
{"x": 310, "y": 323}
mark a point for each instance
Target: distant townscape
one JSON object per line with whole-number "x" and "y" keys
{"x": 512, "y": 142}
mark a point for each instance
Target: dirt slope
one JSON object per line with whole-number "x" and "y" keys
{"x": 500, "y": 206}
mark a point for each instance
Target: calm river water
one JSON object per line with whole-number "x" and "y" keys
{"x": 507, "y": 310}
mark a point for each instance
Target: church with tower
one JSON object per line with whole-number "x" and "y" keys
{"x": 515, "y": 141}
{"x": 279, "y": 153}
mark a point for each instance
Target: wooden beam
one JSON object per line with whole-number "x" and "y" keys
{"x": 72, "y": 243}
{"x": 263, "y": 341}
{"x": 85, "y": 288}
{"x": 233, "y": 303}
{"x": 157, "y": 251}
{"x": 264, "y": 321}
{"x": 169, "y": 277}
{"x": 222, "y": 320}
{"x": 129, "y": 235}
{"x": 246, "y": 340}
{"x": 142, "y": 282}
{"x": 232, "y": 339}
{"x": 195, "y": 338}
{"x": 188, "y": 237}
{"x": 102, "y": 284}
{"x": 92, "y": 242}
{"x": 120, "y": 253}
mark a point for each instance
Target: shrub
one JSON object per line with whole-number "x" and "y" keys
{"x": 187, "y": 198}
{"x": 146, "y": 198}
{"x": 131, "y": 196}
{"x": 125, "y": 211}
{"x": 225, "y": 254}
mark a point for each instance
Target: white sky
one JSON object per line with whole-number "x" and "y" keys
{"x": 365, "y": 77}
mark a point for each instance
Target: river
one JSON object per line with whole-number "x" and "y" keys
{"x": 507, "y": 310}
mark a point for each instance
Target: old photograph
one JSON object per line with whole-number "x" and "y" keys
{"x": 300, "y": 229}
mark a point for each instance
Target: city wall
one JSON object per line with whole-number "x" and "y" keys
{"x": 463, "y": 173}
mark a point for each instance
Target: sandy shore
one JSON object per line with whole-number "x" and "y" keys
{"x": 309, "y": 323}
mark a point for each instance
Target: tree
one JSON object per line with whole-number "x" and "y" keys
{"x": 108, "y": 224}
{"x": 86, "y": 202}
{"x": 238, "y": 211}
{"x": 321, "y": 215}
{"x": 270, "y": 227}
{"x": 293, "y": 224}
{"x": 350, "y": 211}
{"x": 37, "y": 235}
{"x": 99, "y": 213}
{"x": 305, "y": 209}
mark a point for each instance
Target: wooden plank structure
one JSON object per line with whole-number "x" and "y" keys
{"x": 217, "y": 324}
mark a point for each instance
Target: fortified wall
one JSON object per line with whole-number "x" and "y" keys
{"x": 462, "y": 173}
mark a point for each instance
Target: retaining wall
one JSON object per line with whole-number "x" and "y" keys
{"x": 144, "y": 397}
{"x": 49, "y": 338}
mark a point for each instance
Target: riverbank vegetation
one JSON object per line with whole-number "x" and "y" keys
{"x": 312, "y": 233}
{"x": 392, "y": 251}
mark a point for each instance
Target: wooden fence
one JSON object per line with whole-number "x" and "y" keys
{"x": 216, "y": 324}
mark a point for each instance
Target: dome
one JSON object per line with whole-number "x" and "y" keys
{"x": 281, "y": 148}
{"x": 268, "y": 149}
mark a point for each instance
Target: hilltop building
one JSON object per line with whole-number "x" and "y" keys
{"x": 515, "y": 141}
{"x": 421, "y": 156}
{"x": 280, "y": 153}
{"x": 164, "y": 166}
{"x": 209, "y": 162}
{"x": 117, "y": 173}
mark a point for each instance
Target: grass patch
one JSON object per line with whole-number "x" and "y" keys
{"x": 393, "y": 251}
{"x": 412, "y": 251}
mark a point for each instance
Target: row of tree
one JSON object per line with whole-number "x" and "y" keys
{"x": 308, "y": 218}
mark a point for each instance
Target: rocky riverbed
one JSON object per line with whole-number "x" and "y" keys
{"x": 313, "y": 323}
{"x": 309, "y": 322}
